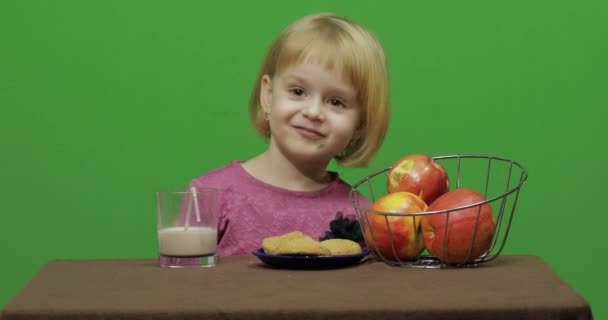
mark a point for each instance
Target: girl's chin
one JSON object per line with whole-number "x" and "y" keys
{"x": 314, "y": 153}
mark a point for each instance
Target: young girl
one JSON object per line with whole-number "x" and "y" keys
{"x": 321, "y": 94}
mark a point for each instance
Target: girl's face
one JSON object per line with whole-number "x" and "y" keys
{"x": 313, "y": 112}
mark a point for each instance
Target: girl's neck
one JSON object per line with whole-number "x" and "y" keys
{"x": 273, "y": 168}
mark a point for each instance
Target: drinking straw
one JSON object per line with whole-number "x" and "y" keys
{"x": 195, "y": 200}
{"x": 188, "y": 213}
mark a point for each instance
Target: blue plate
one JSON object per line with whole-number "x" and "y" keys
{"x": 309, "y": 262}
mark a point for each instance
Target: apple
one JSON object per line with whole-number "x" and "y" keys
{"x": 419, "y": 174}
{"x": 404, "y": 230}
{"x": 460, "y": 227}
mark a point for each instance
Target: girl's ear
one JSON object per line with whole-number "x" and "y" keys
{"x": 266, "y": 93}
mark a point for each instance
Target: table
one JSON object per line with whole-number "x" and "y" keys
{"x": 510, "y": 287}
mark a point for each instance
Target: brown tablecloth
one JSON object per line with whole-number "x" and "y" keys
{"x": 511, "y": 287}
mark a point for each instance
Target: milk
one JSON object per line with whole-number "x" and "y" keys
{"x": 196, "y": 241}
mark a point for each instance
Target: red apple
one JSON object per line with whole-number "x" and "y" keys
{"x": 420, "y": 175}
{"x": 460, "y": 227}
{"x": 404, "y": 230}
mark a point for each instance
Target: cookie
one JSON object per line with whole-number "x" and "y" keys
{"x": 294, "y": 243}
{"x": 341, "y": 246}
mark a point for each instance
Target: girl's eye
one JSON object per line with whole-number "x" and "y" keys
{"x": 336, "y": 102}
{"x": 297, "y": 91}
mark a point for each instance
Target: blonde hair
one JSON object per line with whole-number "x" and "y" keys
{"x": 337, "y": 44}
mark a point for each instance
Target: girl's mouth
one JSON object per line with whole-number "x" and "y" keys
{"x": 309, "y": 133}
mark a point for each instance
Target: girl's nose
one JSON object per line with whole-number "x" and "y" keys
{"x": 314, "y": 109}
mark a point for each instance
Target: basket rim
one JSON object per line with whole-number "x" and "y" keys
{"x": 353, "y": 193}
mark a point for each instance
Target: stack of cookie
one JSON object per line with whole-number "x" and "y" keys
{"x": 297, "y": 243}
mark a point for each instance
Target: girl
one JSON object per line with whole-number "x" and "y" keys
{"x": 321, "y": 94}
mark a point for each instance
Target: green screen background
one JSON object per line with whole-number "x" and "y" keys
{"x": 103, "y": 102}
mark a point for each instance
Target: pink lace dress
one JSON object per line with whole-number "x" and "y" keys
{"x": 251, "y": 210}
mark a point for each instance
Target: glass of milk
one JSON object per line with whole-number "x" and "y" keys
{"x": 187, "y": 227}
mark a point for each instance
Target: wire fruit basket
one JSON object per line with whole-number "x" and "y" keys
{"x": 498, "y": 179}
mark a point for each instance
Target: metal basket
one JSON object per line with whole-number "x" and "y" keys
{"x": 498, "y": 179}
